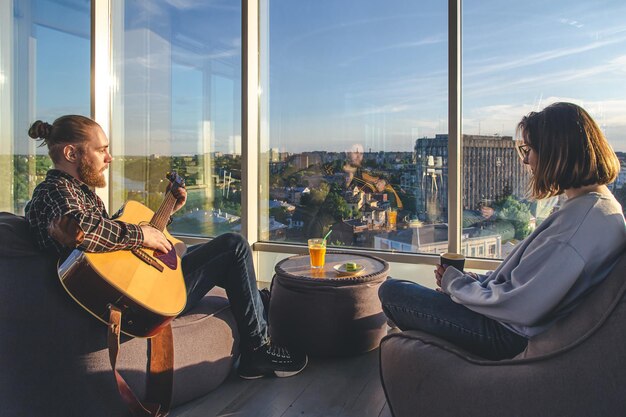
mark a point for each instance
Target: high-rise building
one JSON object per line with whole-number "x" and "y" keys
{"x": 491, "y": 169}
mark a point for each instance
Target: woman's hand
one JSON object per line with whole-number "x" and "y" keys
{"x": 438, "y": 274}
{"x": 439, "y": 271}
{"x": 472, "y": 274}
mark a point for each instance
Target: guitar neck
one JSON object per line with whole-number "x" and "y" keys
{"x": 162, "y": 215}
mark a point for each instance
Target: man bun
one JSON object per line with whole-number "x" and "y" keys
{"x": 70, "y": 129}
{"x": 40, "y": 129}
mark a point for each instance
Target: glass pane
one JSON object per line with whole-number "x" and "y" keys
{"x": 44, "y": 73}
{"x": 538, "y": 53}
{"x": 177, "y": 106}
{"x": 347, "y": 89}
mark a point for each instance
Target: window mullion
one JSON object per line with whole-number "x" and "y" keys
{"x": 101, "y": 75}
{"x": 250, "y": 121}
{"x": 455, "y": 155}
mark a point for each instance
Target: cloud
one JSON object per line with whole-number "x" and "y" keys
{"x": 347, "y": 26}
{"x": 378, "y": 110}
{"x": 415, "y": 88}
{"x": 571, "y": 22}
{"x": 186, "y": 56}
{"x": 479, "y": 68}
{"x": 427, "y": 41}
{"x": 486, "y": 86}
{"x": 200, "y": 4}
{"x": 185, "y": 4}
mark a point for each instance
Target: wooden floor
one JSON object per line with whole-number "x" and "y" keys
{"x": 342, "y": 387}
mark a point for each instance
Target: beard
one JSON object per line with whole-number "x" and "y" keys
{"x": 90, "y": 175}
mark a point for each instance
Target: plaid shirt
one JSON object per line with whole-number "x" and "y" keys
{"x": 61, "y": 194}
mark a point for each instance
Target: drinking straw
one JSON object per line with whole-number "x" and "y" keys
{"x": 327, "y": 234}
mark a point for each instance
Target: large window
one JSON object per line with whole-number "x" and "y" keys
{"x": 348, "y": 88}
{"x": 177, "y": 106}
{"x": 44, "y": 74}
{"x": 353, "y": 103}
{"x": 520, "y": 57}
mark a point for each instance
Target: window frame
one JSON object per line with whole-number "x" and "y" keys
{"x": 250, "y": 130}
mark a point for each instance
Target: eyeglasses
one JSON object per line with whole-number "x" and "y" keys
{"x": 523, "y": 150}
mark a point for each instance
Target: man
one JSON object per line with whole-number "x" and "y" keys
{"x": 65, "y": 214}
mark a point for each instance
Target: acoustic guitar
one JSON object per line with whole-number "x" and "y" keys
{"x": 146, "y": 285}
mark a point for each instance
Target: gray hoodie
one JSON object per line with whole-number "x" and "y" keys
{"x": 550, "y": 271}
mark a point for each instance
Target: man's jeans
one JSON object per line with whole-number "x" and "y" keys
{"x": 226, "y": 261}
{"x": 414, "y": 307}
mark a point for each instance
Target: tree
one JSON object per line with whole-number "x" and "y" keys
{"x": 280, "y": 214}
{"x": 517, "y": 212}
{"x": 323, "y": 207}
{"x": 336, "y": 205}
{"x": 318, "y": 195}
{"x": 20, "y": 185}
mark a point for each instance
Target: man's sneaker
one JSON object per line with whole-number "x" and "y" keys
{"x": 270, "y": 360}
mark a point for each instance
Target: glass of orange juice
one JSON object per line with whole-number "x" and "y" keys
{"x": 317, "y": 251}
{"x": 393, "y": 216}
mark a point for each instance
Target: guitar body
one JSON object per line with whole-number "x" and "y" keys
{"x": 149, "y": 295}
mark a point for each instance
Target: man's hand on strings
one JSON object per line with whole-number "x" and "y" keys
{"x": 155, "y": 239}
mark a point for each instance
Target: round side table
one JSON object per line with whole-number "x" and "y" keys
{"x": 323, "y": 312}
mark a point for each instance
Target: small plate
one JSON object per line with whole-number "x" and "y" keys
{"x": 341, "y": 269}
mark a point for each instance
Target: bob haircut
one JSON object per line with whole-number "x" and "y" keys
{"x": 571, "y": 150}
{"x": 69, "y": 129}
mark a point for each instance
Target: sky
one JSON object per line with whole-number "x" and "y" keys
{"x": 336, "y": 73}
{"x": 378, "y": 76}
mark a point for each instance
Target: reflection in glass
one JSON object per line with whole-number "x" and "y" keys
{"x": 177, "y": 106}
{"x": 347, "y": 90}
{"x": 572, "y": 51}
{"x": 44, "y": 74}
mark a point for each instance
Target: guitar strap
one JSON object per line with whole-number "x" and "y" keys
{"x": 160, "y": 377}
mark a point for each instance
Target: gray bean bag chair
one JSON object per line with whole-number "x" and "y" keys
{"x": 577, "y": 368}
{"x": 53, "y": 354}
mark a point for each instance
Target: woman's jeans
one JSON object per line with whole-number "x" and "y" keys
{"x": 226, "y": 261}
{"x": 414, "y": 307}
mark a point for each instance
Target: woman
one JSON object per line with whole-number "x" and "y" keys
{"x": 548, "y": 273}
